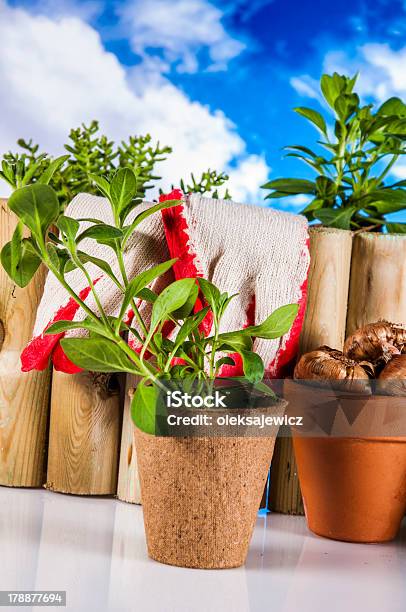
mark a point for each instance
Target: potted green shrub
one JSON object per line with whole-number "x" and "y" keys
{"x": 359, "y": 147}
{"x": 358, "y": 254}
{"x": 200, "y": 493}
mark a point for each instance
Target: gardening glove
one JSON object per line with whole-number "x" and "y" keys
{"x": 259, "y": 253}
{"x": 145, "y": 248}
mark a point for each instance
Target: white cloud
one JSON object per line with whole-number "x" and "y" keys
{"x": 399, "y": 172}
{"x": 56, "y": 74}
{"x": 246, "y": 179}
{"x": 180, "y": 29}
{"x": 306, "y": 86}
{"x": 382, "y": 69}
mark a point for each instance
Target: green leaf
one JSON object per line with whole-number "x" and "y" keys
{"x": 314, "y": 117}
{"x": 123, "y": 189}
{"x": 100, "y": 263}
{"x": 171, "y": 299}
{"x": 102, "y": 233}
{"x": 339, "y": 218}
{"x": 276, "y": 325}
{"x": 291, "y": 186}
{"x": 53, "y": 254}
{"x": 8, "y": 174}
{"x": 147, "y": 295}
{"x": 315, "y": 204}
{"x": 90, "y": 220}
{"x": 224, "y": 361}
{"x": 276, "y": 194}
{"x": 32, "y": 168}
{"x": 396, "y": 228}
{"x": 264, "y": 389}
{"x": 189, "y": 326}
{"x": 128, "y": 230}
{"x": 102, "y": 183}
{"x": 53, "y": 167}
{"x": 20, "y": 264}
{"x": 60, "y": 327}
{"x": 393, "y": 106}
{"x": 253, "y": 366}
{"x": 387, "y": 200}
{"x": 138, "y": 283}
{"x": 16, "y": 248}
{"x": 237, "y": 341}
{"x": 211, "y": 294}
{"x": 326, "y": 188}
{"x": 185, "y": 310}
{"x": 144, "y": 407}
{"x": 346, "y": 105}
{"x": 331, "y": 88}
{"x": 36, "y": 205}
{"x": 302, "y": 150}
{"x": 69, "y": 227}
{"x": 97, "y": 355}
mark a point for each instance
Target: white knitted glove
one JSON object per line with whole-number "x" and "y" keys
{"x": 259, "y": 253}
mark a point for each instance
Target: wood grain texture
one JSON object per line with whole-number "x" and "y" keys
{"x": 378, "y": 280}
{"x": 128, "y": 489}
{"x": 329, "y": 275}
{"x": 284, "y": 492}
{"x": 24, "y": 397}
{"x": 325, "y": 321}
{"x": 84, "y": 435}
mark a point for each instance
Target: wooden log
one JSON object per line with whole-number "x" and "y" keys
{"x": 128, "y": 481}
{"x": 284, "y": 493}
{"x": 325, "y": 321}
{"x": 329, "y": 275}
{"x": 24, "y": 397}
{"x": 378, "y": 280}
{"x": 84, "y": 434}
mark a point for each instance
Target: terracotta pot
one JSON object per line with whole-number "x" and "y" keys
{"x": 200, "y": 495}
{"x": 353, "y": 489}
{"x": 353, "y": 485}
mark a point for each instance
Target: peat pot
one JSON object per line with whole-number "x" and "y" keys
{"x": 353, "y": 479}
{"x": 200, "y": 495}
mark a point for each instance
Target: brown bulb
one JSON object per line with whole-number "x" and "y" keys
{"x": 376, "y": 342}
{"x": 334, "y": 369}
{"x": 392, "y": 379}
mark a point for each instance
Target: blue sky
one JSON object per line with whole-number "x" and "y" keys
{"x": 232, "y": 71}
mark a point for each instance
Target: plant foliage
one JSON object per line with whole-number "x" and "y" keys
{"x": 92, "y": 157}
{"x": 189, "y": 354}
{"x": 361, "y": 145}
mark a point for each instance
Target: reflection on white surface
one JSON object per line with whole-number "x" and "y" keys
{"x": 94, "y": 548}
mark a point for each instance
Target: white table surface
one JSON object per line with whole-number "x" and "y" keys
{"x": 94, "y": 548}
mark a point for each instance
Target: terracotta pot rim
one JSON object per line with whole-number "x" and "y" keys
{"x": 339, "y": 393}
{"x": 397, "y": 439}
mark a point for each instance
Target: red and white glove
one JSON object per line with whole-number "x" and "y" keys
{"x": 145, "y": 249}
{"x": 260, "y": 253}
